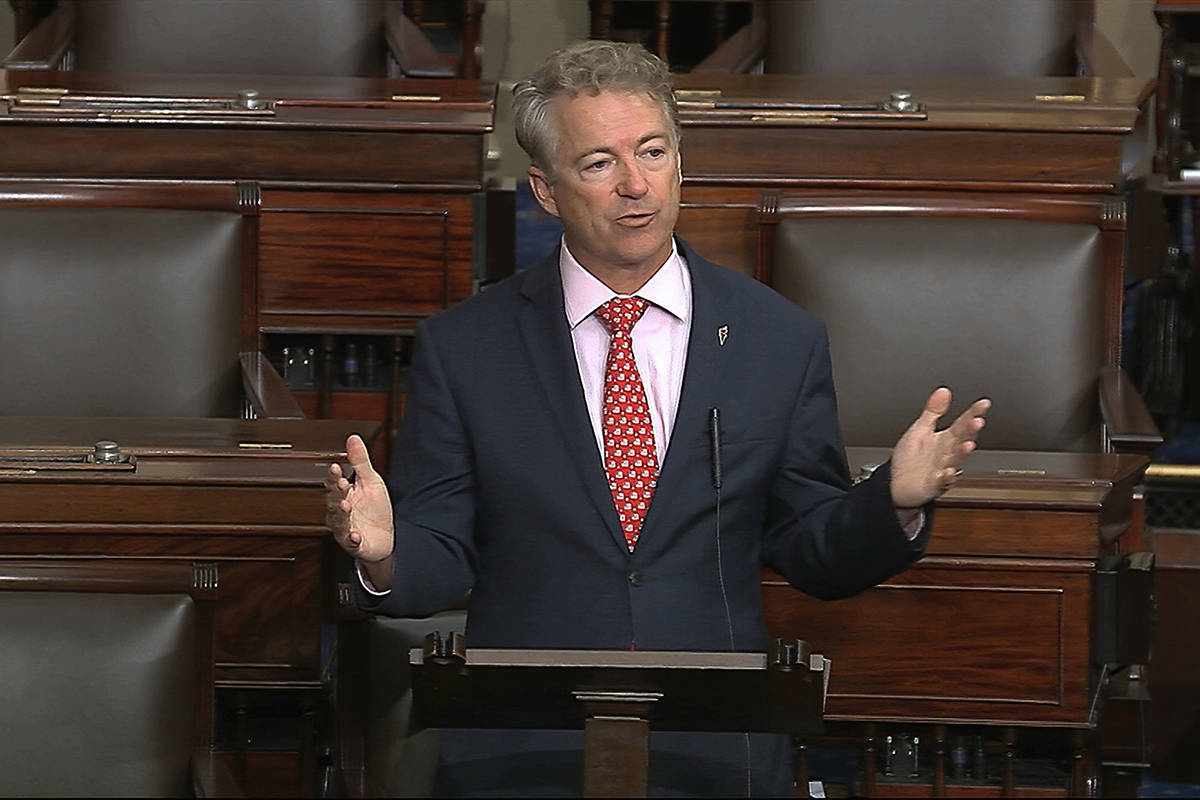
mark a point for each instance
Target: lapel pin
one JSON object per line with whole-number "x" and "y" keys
{"x": 722, "y": 334}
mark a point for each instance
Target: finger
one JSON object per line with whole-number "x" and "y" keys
{"x": 970, "y": 422}
{"x": 332, "y": 475}
{"x": 957, "y": 454}
{"x": 336, "y": 490}
{"x": 948, "y": 477}
{"x": 358, "y": 457}
{"x": 935, "y": 407}
{"x": 952, "y": 469}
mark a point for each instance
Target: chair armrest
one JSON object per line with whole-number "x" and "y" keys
{"x": 739, "y": 53}
{"x": 211, "y": 776}
{"x": 266, "y": 392}
{"x": 414, "y": 53}
{"x": 1096, "y": 55}
{"x": 1129, "y": 425}
{"x": 45, "y": 45}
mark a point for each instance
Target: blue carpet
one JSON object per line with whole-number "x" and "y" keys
{"x": 1184, "y": 446}
{"x": 1152, "y": 788}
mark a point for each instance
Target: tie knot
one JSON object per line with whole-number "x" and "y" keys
{"x": 621, "y": 313}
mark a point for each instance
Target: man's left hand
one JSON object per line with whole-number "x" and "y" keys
{"x": 926, "y": 461}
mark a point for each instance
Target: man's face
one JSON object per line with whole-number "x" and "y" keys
{"x": 617, "y": 185}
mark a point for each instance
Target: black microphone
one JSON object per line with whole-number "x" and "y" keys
{"x": 714, "y": 432}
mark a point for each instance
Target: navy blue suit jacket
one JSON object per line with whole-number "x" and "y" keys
{"x": 499, "y": 487}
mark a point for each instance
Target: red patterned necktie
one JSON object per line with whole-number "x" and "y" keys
{"x": 629, "y": 456}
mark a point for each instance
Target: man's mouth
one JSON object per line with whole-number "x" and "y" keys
{"x": 636, "y": 219}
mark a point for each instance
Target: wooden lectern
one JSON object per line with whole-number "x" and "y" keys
{"x": 617, "y": 697}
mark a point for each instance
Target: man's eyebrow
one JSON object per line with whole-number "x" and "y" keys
{"x": 597, "y": 151}
{"x": 649, "y": 137}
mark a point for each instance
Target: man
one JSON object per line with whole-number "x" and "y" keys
{"x": 558, "y": 464}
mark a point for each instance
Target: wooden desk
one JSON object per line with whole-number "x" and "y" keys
{"x": 363, "y": 187}
{"x": 201, "y": 490}
{"x": 994, "y": 625}
{"x": 740, "y": 138}
{"x": 365, "y": 195}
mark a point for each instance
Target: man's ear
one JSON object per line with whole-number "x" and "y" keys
{"x": 543, "y": 191}
{"x": 679, "y": 167}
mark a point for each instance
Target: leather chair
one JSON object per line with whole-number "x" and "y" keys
{"x": 357, "y": 38}
{"x": 106, "y": 679}
{"x": 1013, "y": 297}
{"x": 934, "y": 37}
{"x": 127, "y": 299}
{"x": 379, "y": 755}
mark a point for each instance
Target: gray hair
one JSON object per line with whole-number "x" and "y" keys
{"x": 593, "y": 67}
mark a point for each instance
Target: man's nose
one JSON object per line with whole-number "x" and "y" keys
{"x": 630, "y": 181}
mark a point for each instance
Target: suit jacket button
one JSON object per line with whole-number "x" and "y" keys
{"x": 635, "y": 578}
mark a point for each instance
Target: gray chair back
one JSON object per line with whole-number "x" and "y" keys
{"x": 1015, "y": 309}
{"x": 120, "y": 311}
{"x": 275, "y": 37}
{"x": 401, "y": 761}
{"x": 923, "y": 37}
{"x": 98, "y": 692}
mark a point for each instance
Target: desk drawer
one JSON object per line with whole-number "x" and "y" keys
{"x": 953, "y": 640}
{"x": 361, "y": 261}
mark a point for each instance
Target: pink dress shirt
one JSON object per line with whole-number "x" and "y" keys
{"x": 660, "y": 339}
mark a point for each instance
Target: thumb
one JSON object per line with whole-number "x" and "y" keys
{"x": 935, "y": 407}
{"x": 359, "y": 458}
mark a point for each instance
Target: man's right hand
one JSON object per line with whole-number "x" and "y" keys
{"x": 360, "y": 513}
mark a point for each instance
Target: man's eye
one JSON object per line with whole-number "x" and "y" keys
{"x": 655, "y": 152}
{"x": 596, "y": 166}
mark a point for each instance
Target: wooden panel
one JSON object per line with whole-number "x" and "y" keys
{"x": 964, "y": 791}
{"x": 190, "y": 440}
{"x": 348, "y": 405}
{"x": 276, "y": 621}
{"x": 721, "y": 224}
{"x": 92, "y": 151}
{"x": 1104, "y": 104}
{"x": 1014, "y": 533}
{"x": 132, "y": 504}
{"x": 271, "y": 606}
{"x": 937, "y": 642}
{"x": 803, "y": 154}
{"x": 403, "y": 256}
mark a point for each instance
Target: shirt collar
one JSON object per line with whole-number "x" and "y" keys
{"x": 668, "y": 288}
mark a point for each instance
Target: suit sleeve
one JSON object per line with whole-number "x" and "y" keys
{"x": 826, "y": 537}
{"x": 432, "y": 485}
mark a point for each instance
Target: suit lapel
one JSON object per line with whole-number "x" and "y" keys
{"x": 543, "y": 326}
{"x": 701, "y": 390}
